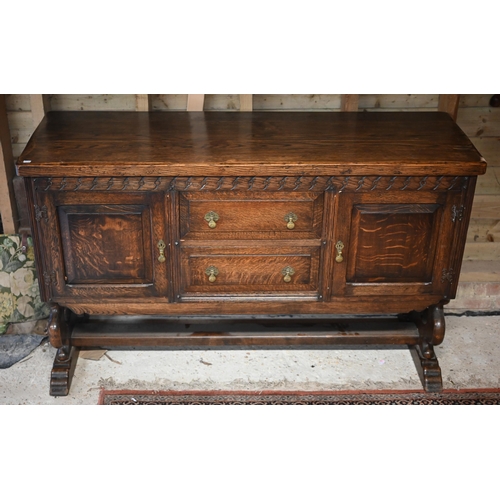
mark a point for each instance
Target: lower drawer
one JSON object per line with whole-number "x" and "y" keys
{"x": 207, "y": 271}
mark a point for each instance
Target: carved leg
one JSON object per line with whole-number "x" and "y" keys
{"x": 54, "y": 326}
{"x": 431, "y": 327}
{"x": 62, "y": 370}
{"x": 59, "y": 330}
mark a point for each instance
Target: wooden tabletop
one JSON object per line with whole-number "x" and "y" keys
{"x": 94, "y": 143}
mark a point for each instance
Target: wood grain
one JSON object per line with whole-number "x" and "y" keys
{"x": 8, "y": 207}
{"x": 392, "y": 243}
{"x": 195, "y": 102}
{"x": 395, "y": 189}
{"x": 449, "y": 104}
{"x": 142, "y": 102}
{"x": 40, "y": 105}
{"x": 480, "y": 122}
{"x": 111, "y": 245}
{"x": 251, "y": 216}
{"x": 246, "y": 102}
{"x": 92, "y": 102}
{"x": 489, "y": 183}
{"x": 210, "y": 144}
{"x": 408, "y": 102}
{"x": 349, "y": 102}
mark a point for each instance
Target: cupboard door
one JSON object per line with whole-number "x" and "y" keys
{"x": 395, "y": 246}
{"x": 104, "y": 244}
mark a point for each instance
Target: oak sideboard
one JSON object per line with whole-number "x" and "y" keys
{"x": 282, "y": 218}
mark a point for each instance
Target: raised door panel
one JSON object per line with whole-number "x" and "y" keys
{"x": 104, "y": 245}
{"x": 399, "y": 246}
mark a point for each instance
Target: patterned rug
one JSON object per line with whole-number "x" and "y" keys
{"x": 449, "y": 397}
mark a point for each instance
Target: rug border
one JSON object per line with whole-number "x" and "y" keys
{"x": 135, "y": 392}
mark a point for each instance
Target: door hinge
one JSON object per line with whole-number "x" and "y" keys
{"x": 50, "y": 279}
{"x": 41, "y": 213}
{"x": 447, "y": 275}
{"x": 457, "y": 213}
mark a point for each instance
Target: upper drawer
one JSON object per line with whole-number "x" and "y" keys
{"x": 256, "y": 215}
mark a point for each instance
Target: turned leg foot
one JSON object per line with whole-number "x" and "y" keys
{"x": 62, "y": 370}
{"x": 431, "y": 328}
{"x": 428, "y": 369}
{"x": 59, "y": 329}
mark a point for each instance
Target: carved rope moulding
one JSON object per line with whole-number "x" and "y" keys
{"x": 274, "y": 183}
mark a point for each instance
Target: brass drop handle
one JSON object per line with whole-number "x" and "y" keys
{"x": 287, "y": 273}
{"x": 339, "y": 246}
{"x": 290, "y": 220}
{"x": 212, "y": 273}
{"x": 161, "y": 247}
{"x": 212, "y": 218}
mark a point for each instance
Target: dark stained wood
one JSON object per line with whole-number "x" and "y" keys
{"x": 250, "y": 269}
{"x": 428, "y": 369}
{"x": 56, "y": 328}
{"x": 462, "y": 219}
{"x": 198, "y": 143}
{"x": 431, "y": 326}
{"x": 252, "y": 184}
{"x": 404, "y": 231}
{"x": 103, "y": 244}
{"x": 63, "y": 370}
{"x": 22, "y": 205}
{"x": 221, "y": 332}
{"x": 249, "y": 215}
{"x": 394, "y": 248}
{"x": 112, "y": 243}
{"x": 108, "y": 305}
{"x": 59, "y": 328}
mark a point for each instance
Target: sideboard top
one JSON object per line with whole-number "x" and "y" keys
{"x": 94, "y": 143}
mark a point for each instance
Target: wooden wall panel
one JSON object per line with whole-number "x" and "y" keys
{"x": 246, "y": 102}
{"x": 296, "y": 102}
{"x": 483, "y": 230}
{"x": 227, "y": 102}
{"x": 448, "y": 103}
{"x": 21, "y": 126}
{"x": 40, "y": 104}
{"x": 168, "y": 102}
{"x": 349, "y": 102}
{"x": 489, "y": 183}
{"x": 474, "y": 100}
{"x": 18, "y": 102}
{"x": 8, "y": 207}
{"x": 195, "y": 102}
{"x": 482, "y": 124}
{"x": 92, "y": 102}
{"x": 480, "y": 121}
{"x": 489, "y": 147}
{"x": 398, "y": 102}
{"x": 142, "y": 102}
